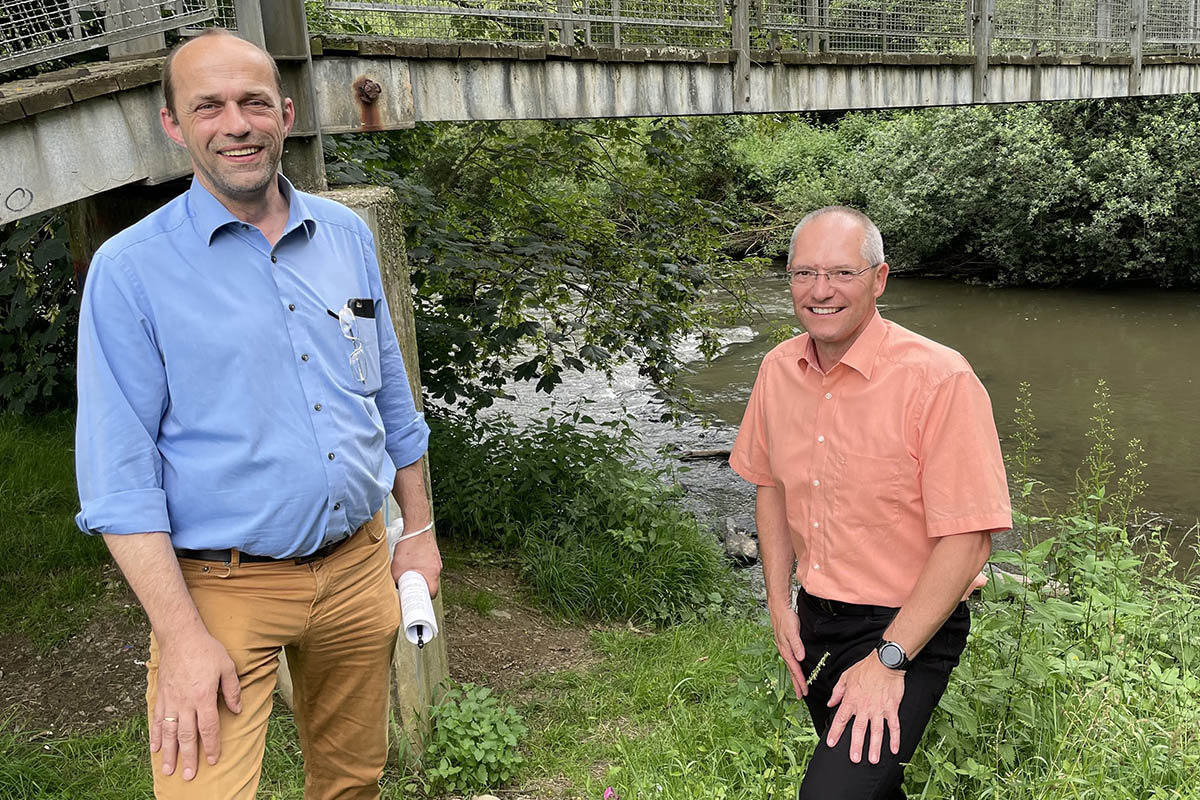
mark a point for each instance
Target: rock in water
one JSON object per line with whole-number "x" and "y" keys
{"x": 740, "y": 544}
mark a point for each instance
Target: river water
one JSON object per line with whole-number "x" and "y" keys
{"x": 1144, "y": 343}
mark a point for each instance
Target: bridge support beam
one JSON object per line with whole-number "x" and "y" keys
{"x": 1137, "y": 41}
{"x": 983, "y": 14}
{"x": 741, "y": 46}
{"x": 281, "y": 28}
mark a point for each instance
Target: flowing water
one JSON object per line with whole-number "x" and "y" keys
{"x": 1144, "y": 343}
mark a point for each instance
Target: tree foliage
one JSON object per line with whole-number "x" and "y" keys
{"x": 1091, "y": 192}
{"x": 541, "y": 247}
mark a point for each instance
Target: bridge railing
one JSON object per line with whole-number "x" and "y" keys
{"x": 35, "y": 31}
{"x": 897, "y": 26}
{"x": 612, "y": 23}
{"x": 1062, "y": 27}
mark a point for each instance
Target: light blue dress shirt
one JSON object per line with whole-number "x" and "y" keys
{"x": 220, "y": 399}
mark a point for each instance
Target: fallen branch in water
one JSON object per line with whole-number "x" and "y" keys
{"x": 696, "y": 455}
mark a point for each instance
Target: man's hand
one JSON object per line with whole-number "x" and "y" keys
{"x": 192, "y": 669}
{"x": 870, "y": 693}
{"x": 419, "y": 553}
{"x": 786, "y": 626}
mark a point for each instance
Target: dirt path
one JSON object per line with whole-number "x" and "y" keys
{"x": 98, "y": 678}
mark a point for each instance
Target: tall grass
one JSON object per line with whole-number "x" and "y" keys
{"x": 50, "y": 573}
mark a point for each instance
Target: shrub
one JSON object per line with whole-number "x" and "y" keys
{"x": 39, "y": 311}
{"x": 595, "y": 536}
{"x": 472, "y": 746}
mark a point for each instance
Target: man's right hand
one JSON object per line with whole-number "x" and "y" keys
{"x": 192, "y": 669}
{"x": 786, "y": 626}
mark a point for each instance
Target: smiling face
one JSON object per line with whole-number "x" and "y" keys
{"x": 229, "y": 116}
{"x": 834, "y": 314}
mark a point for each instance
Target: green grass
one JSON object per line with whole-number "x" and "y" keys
{"x": 51, "y": 581}
{"x": 115, "y": 765}
{"x": 481, "y": 601}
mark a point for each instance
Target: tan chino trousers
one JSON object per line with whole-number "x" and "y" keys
{"x": 337, "y": 617}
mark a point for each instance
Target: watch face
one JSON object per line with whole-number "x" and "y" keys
{"x": 891, "y": 655}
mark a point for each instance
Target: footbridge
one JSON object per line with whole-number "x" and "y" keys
{"x": 80, "y": 127}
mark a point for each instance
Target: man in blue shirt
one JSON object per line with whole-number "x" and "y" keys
{"x": 243, "y": 411}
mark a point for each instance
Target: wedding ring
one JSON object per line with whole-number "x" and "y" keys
{"x": 169, "y": 719}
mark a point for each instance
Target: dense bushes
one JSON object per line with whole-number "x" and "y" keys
{"x": 595, "y": 536}
{"x": 39, "y": 311}
{"x": 1090, "y": 191}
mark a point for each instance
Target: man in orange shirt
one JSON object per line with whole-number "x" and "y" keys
{"x": 880, "y": 478}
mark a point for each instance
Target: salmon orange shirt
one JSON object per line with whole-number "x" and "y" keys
{"x": 892, "y": 448}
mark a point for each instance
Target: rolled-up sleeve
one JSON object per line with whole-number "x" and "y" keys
{"x": 405, "y": 427}
{"x": 122, "y": 392}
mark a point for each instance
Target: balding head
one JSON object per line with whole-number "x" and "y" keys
{"x": 872, "y": 243}
{"x": 198, "y": 46}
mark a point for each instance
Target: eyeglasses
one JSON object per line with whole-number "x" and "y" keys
{"x": 842, "y": 275}
{"x": 347, "y": 321}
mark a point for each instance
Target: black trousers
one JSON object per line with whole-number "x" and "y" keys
{"x": 849, "y": 633}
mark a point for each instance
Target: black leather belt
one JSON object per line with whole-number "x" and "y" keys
{"x": 837, "y": 607}
{"x": 226, "y": 556}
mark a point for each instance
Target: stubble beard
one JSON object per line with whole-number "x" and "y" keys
{"x": 242, "y": 191}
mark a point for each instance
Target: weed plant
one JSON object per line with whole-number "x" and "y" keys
{"x": 595, "y": 536}
{"x": 472, "y": 745}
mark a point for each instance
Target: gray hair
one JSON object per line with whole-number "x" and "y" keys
{"x": 872, "y": 243}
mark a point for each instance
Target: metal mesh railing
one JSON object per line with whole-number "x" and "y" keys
{"x": 1172, "y": 25}
{"x": 35, "y": 31}
{"x": 901, "y": 26}
{"x": 1037, "y": 26}
{"x": 575, "y": 22}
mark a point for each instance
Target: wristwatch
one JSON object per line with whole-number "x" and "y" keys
{"x": 891, "y": 655}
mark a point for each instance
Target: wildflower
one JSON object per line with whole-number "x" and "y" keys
{"x": 610, "y": 794}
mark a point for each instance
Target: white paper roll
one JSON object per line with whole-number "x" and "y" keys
{"x": 420, "y": 623}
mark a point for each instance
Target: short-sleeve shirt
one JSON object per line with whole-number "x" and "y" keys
{"x": 891, "y": 449}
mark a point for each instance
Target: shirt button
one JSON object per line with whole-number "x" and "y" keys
{"x": 815, "y": 523}
{"x": 273, "y": 259}
{"x": 828, "y": 396}
{"x": 816, "y": 566}
{"x": 245, "y": 227}
{"x": 317, "y": 407}
{"x": 304, "y": 356}
{"x": 291, "y": 306}
{"x": 820, "y": 438}
{"x": 331, "y": 456}
{"x": 337, "y": 506}
{"x": 816, "y": 482}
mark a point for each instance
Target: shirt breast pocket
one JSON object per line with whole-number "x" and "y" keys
{"x": 362, "y": 347}
{"x": 867, "y": 492}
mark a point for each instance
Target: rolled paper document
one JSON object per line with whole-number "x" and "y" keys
{"x": 420, "y": 623}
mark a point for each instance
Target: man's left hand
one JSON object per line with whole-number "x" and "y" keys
{"x": 419, "y": 553}
{"x": 870, "y": 693}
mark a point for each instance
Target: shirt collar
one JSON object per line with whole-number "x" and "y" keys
{"x": 861, "y": 355}
{"x": 210, "y": 216}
